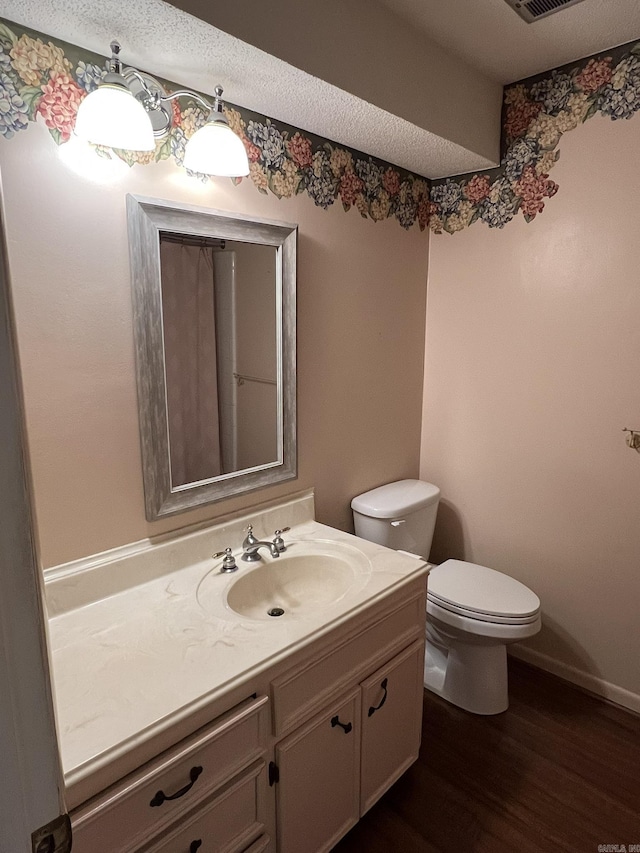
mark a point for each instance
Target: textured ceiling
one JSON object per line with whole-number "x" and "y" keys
{"x": 489, "y": 34}
{"x": 165, "y": 41}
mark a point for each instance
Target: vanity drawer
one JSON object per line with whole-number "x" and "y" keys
{"x": 124, "y": 817}
{"x": 226, "y": 824}
{"x": 314, "y": 683}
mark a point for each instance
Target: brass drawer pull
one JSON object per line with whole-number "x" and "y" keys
{"x": 375, "y": 708}
{"x": 160, "y": 797}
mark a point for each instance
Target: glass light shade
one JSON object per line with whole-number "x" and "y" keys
{"x": 216, "y": 150}
{"x": 110, "y": 115}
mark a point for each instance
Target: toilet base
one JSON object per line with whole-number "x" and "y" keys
{"x": 471, "y": 674}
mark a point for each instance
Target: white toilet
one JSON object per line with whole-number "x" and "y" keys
{"x": 472, "y": 612}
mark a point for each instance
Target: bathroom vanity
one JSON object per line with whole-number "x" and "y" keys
{"x": 189, "y": 719}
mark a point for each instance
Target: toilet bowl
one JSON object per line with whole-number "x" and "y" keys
{"x": 473, "y": 612}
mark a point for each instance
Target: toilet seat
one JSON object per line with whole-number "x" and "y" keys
{"x": 477, "y": 592}
{"x": 482, "y": 617}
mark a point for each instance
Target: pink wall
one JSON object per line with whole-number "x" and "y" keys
{"x": 532, "y": 370}
{"x": 361, "y": 307}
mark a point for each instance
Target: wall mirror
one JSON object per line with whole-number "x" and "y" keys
{"x": 214, "y": 300}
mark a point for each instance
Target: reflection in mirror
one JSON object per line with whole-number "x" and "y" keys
{"x": 220, "y": 336}
{"x": 214, "y": 312}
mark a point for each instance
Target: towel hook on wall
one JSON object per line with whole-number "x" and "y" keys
{"x": 633, "y": 438}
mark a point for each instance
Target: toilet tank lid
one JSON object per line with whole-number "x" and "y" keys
{"x": 396, "y": 499}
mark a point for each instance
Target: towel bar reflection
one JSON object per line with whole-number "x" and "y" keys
{"x": 241, "y": 378}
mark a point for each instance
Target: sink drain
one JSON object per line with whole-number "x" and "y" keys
{"x": 275, "y": 611}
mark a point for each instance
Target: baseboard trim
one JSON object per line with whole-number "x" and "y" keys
{"x": 608, "y": 691}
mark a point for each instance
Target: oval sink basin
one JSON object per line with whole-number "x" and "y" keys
{"x": 295, "y": 584}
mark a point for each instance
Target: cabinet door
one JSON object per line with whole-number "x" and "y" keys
{"x": 317, "y": 793}
{"x": 391, "y": 722}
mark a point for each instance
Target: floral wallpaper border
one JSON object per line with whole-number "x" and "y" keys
{"x": 44, "y": 79}
{"x": 536, "y": 113}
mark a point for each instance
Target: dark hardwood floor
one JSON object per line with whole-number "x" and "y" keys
{"x": 559, "y": 771}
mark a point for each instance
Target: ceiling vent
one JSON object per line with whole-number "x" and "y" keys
{"x": 534, "y": 10}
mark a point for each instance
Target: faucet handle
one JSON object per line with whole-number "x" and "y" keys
{"x": 279, "y": 541}
{"x": 229, "y": 562}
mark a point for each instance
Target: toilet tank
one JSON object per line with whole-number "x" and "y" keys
{"x": 400, "y": 515}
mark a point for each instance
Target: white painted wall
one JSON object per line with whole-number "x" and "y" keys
{"x": 69, "y": 257}
{"x": 531, "y": 373}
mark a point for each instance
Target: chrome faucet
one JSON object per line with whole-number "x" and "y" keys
{"x": 251, "y": 545}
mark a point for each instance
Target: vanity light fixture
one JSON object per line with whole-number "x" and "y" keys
{"x": 131, "y": 110}
{"x": 215, "y": 149}
{"x": 111, "y": 115}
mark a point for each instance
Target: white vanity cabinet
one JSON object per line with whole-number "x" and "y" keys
{"x": 331, "y": 770}
{"x": 334, "y": 766}
{"x": 317, "y": 792}
{"x": 228, "y": 822}
{"x": 391, "y": 710}
{"x": 208, "y": 793}
{"x": 328, "y": 729}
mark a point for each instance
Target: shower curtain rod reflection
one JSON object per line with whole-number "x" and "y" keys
{"x": 193, "y": 240}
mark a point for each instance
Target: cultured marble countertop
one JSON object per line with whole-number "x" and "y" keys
{"x": 135, "y": 662}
